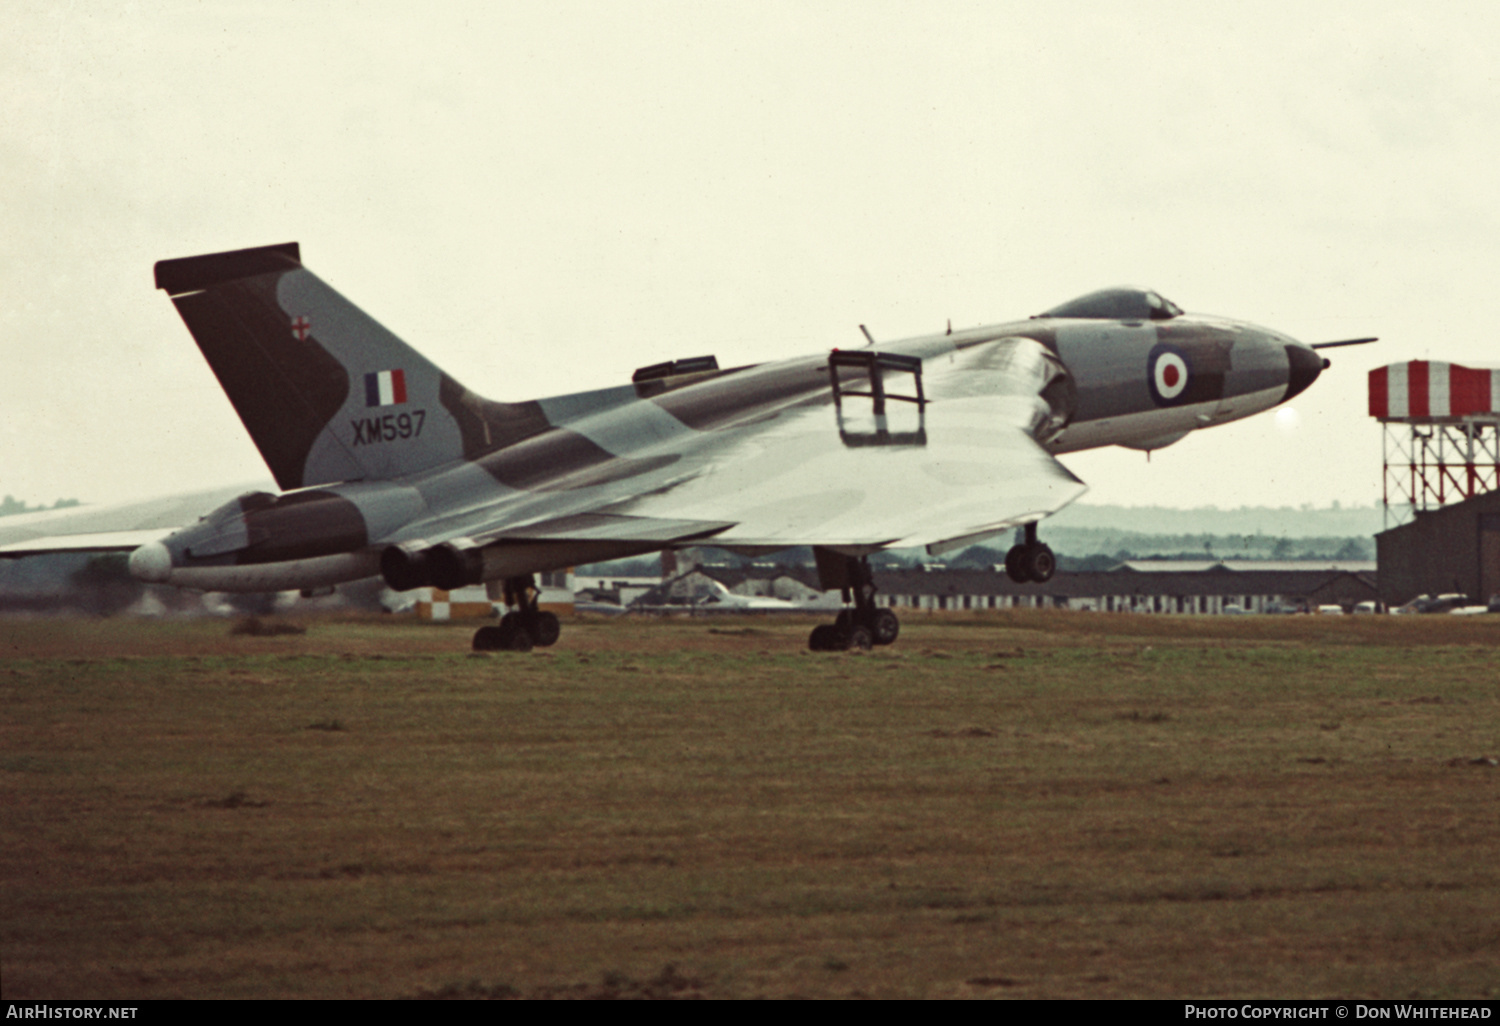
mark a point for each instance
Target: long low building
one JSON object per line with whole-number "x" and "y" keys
{"x": 1141, "y": 587}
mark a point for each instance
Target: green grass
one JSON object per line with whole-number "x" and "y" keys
{"x": 1026, "y": 804}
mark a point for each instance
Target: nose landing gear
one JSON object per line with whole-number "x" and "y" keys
{"x": 522, "y": 628}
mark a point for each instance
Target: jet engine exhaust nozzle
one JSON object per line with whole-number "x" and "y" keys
{"x": 404, "y": 568}
{"x": 455, "y": 566}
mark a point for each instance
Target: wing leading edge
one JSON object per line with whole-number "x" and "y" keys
{"x": 117, "y": 527}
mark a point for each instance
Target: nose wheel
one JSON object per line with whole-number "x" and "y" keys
{"x": 523, "y": 628}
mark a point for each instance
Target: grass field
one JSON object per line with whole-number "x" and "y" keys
{"x": 1025, "y": 804}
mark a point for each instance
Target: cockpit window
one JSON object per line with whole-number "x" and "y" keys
{"x": 1162, "y": 308}
{"x": 1121, "y": 304}
{"x": 247, "y": 503}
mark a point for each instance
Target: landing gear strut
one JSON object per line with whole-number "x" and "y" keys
{"x": 1031, "y": 560}
{"x": 523, "y": 627}
{"x": 861, "y": 627}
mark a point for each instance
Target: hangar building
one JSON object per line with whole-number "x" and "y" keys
{"x": 1455, "y": 548}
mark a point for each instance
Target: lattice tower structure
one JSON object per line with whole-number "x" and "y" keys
{"x": 1441, "y": 434}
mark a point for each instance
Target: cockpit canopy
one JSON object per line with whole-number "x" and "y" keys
{"x": 233, "y": 510}
{"x": 1119, "y": 304}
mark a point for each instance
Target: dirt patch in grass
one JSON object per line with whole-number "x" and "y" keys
{"x": 667, "y": 985}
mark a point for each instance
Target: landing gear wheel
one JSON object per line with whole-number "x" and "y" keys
{"x": 509, "y": 636}
{"x": 859, "y": 637}
{"x": 545, "y": 629}
{"x": 1030, "y": 563}
{"x": 824, "y": 638}
{"x": 1014, "y": 568}
{"x": 526, "y": 625}
{"x": 1041, "y": 564}
{"x": 881, "y": 623}
{"x": 513, "y": 636}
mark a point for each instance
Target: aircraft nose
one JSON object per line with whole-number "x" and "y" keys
{"x": 1304, "y": 366}
{"x": 151, "y": 563}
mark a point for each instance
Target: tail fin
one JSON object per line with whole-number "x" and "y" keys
{"x": 326, "y": 393}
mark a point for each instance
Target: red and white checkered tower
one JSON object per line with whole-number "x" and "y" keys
{"x": 1442, "y": 434}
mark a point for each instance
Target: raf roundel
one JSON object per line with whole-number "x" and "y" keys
{"x": 1168, "y": 375}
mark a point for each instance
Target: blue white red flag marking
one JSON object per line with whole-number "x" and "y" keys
{"x": 385, "y": 388}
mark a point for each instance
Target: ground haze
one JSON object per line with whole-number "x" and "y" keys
{"x": 1021, "y": 804}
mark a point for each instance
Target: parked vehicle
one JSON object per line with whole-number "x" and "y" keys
{"x": 1445, "y": 603}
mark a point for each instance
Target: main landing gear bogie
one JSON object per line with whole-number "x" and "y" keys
{"x": 861, "y": 627}
{"x": 525, "y": 627}
{"x": 849, "y": 632}
{"x": 881, "y": 623}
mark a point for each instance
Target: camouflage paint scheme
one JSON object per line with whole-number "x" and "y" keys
{"x": 388, "y": 465}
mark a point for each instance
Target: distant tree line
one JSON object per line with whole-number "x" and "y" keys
{"x": 13, "y": 505}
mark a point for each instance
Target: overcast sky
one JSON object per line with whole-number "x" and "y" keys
{"x": 544, "y": 196}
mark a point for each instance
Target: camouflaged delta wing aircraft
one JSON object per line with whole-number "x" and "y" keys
{"x": 389, "y": 466}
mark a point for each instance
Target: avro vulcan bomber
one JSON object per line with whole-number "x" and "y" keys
{"x": 389, "y": 466}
